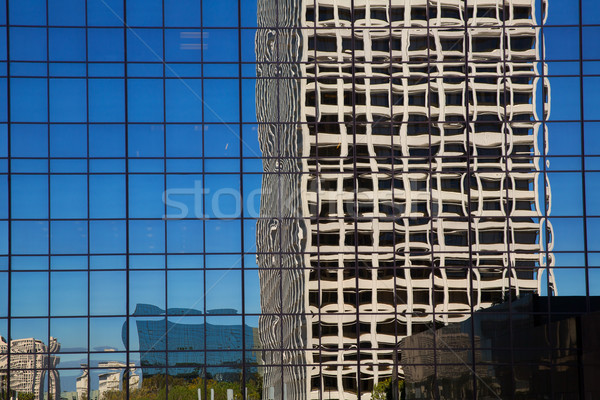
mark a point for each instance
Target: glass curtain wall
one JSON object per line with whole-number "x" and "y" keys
{"x": 296, "y": 199}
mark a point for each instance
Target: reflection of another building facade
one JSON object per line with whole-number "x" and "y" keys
{"x": 408, "y": 177}
{"x": 30, "y": 361}
{"x": 391, "y": 147}
{"x": 222, "y": 359}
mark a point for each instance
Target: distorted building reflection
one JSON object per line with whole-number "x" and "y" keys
{"x": 111, "y": 379}
{"x": 401, "y": 181}
{"x": 32, "y": 366}
{"x": 191, "y": 349}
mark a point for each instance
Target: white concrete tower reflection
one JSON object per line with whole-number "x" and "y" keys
{"x": 421, "y": 195}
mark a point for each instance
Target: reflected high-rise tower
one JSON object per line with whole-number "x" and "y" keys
{"x": 402, "y": 183}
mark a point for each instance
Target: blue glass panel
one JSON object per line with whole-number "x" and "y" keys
{"x": 29, "y": 196}
{"x": 223, "y": 236}
{"x": 220, "y": 13}
{"x": 107, "y": 196}
{"x": 68, "y": 69}
{"x": 68, "y": 237}
{"x": 221, "y": 45}
{"x": 221, "y": 98}
{"x": 66, "y": 12}
{"x": 3, "y": 237}
{"x": 107, "y": 292}
{"x": 105, "y": 12}
{"x": 223, "y": 291}
{"x": 105, "y": 44}
{"x": 145, "y": 166}
{"x": 29, "y": 294}
{"x": 29, "y": 140}
{"x": 104, "y": 70}
{"x": 250, "y": 145}
{"x": 144, "y": 12}
{"x": 29, "y": 100}
{"x": 182, "y": 13}
{"x": 69, "y": 262}
{"x": 27, "y": 12}
{"x": 184, "y": 140}
{"x": 3, "y": 196}
{"x": 3, "y": 110}
{"x": 107, "y": 100}
{"x": 184, "y": 289}
{"x": 107, "y": 166}
{"x": 3, "y": 49}
{"x": 68, "y": 100}
{"x": 591, "y": 108}
{"x": 108, "y": 237}
{"x": 145, "y": 100}
{"x": 29, "y": 237}
{"x": 591, "y": 12}
{"x": 249, "y": 13}
{"x": 27, "y": 44}
{"x": 68, "y": 140}
{"x": 68, "y": 196}
{"x": 145, "y": 70}
{"x": 184, "y": 45}
{"x": 145, "y": 196}
{"x": 146, "y": 287}
{"x": 107, "y": 140}
{"x": 146, "y": 236}
{"x": 67, "y": 44}
{"x": 185, "y": 236}
{"x": 184, "y": 100}
{"x": 221, "y": 140}
{"x": 24, "y": 69}
{"x": 146, "y": 141}
{"x": 184, "y": 196}
{"x": 144, "y": 45}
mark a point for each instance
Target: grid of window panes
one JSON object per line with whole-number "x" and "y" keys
{"x": 128, "y": 147}
{"x": 131, "y": 177}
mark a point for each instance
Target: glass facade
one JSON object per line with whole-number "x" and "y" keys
{"x": 298, "y": 199}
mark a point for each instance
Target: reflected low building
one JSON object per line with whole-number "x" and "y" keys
{"x": 181, "y": 346}
{"x": 535, "y": 347}
{"x": 31, "y": 363}
{"x": 108, "y": 381}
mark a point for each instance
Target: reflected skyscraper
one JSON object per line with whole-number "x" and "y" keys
{"x": 402, "y": 183}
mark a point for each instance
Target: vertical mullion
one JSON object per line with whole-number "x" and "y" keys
{"x": 203, "y": 130}
{"x": 9, "y": 202}
{"x": 165, "y": 220}
{"x": 49, "y": 197}
{"x": 583, "y": 191}
{"x": 89, "y": 247}
{"x": 430, "y": 236}
{"x": 241, "y": 161}
{"x": 504, "y": 40}
{"x": 127, "y": 220}
{"x": 468, "y": 181}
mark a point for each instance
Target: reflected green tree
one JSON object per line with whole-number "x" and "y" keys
{"x": 155, "y": 388}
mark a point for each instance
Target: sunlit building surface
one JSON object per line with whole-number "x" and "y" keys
{"x": 32, "y": 366}
{"x": 419, "y": 146}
